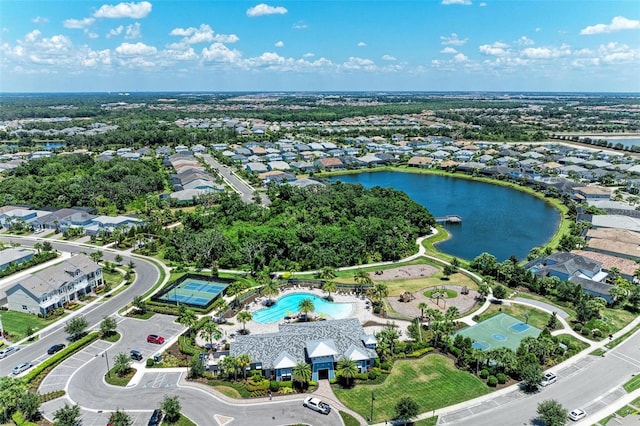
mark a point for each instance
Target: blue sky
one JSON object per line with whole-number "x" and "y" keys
{"x": 320, "y": 45}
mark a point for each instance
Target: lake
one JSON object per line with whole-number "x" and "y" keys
{"x": 498, "y": 220}
{"x": 626, "y": 142}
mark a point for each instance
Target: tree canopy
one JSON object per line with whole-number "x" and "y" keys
{"x": 336, "y": 225}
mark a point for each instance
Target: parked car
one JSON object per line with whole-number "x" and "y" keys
{"x": 154, "y": 338}
{"x": 577, "y": 414}
{"x": 317, "y": 405}
{"x": 137, "y": 355}
{"x": 55, "y": 348}
{"x": 21, "y": 367}
{"x": 548, "y": 379}
{"x": 156, "y": 418}
{"x": 8, "y": 351}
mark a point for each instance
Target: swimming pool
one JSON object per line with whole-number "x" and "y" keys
{"x": 288, "y": 305}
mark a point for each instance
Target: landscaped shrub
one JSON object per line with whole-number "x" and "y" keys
{"x": 285, "y": 391}
{"x": 19, "y": 420}
{"x": 261, "y": 385}
{"x": 577, "y": 327}
{"x": 274, "y": 386}
{"x": 51, "y": 395}
{"x": 484, "y": 373}
{"x": 386, "y": 365}
{"x": 492, "y": 381}
{"x": 372, "y": 375}
{"x": 258, "y": 393}
{"x": 502, "y": 378}
{"x": 420, "y": 352}
{"x": 333, "y": 381}
{"x": 186, "y": 345}
{"x": 150, "y": 362}
{"x": 286, "y": 384}
{"x": 596, "y": 332}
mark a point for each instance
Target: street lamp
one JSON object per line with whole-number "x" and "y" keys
{"x": 105, "y": 355}
{"x": 373, "y": 398}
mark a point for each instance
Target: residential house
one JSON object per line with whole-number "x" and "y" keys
{"x": 15, "y": 255}
{"x": 319, "y": 343}
{"x": 54, "y": 287}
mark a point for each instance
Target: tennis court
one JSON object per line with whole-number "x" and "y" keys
{"x": 192, "y": 291}
{"x": 500, "y": 331}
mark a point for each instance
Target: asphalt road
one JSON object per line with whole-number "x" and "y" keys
{"x": 147, "y": 274}
{"x": 245, "y": 191}
{"x": 591, "y": 384}
{"x": 83, "y": 374}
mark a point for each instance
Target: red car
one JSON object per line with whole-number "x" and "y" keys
{"x": 154, "y": 338}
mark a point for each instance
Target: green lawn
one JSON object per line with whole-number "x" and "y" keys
{"x": 17, "y": 323}
{"x": 182, "y": 421}
{"x": 432, "y": 381}
{"x": 632, "y": 384}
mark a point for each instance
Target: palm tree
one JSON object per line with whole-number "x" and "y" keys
{"x": 186, "y": 316}
{"x": 306, "y": 306}
{"x": 230, "y": 364}
{"x": 244, "y": 361}
{"x": 210, "y": 331}
{"x": 348, "y": 369}
{"x": 362, "y": 277}
{"x": 327, "y": 273}
{"x": 422, "y": 306}
{"x": 244, "y": 317}
{"x": 219, "y": 306}
{"x": 302, "y": 373}
{"x": 269, "y": 288}
{"x": 38, "y": 246}
{"x": 329, "y": 286}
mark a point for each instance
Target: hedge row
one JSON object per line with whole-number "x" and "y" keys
{"x": 39, "y": 372}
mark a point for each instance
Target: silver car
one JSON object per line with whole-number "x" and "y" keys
{"x": 8, "y": 351}
{"x": 21, "y": 367}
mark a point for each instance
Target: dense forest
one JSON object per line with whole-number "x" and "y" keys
{"x": 79, "y": 180}
{"x": 335, "y": 225}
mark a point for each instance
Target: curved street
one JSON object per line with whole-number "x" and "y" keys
{"x": 599, "y": 379}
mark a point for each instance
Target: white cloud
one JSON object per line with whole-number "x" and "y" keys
{"x": 362, "y": 44}
{"x": 496, "y": 49}
{"x": 355, "y": 63}
{"x": 618, "y": 53}
{"x": 460, "y": 57}
{"x": 300, "y": 26}
{"x": 619, "y": 23}
{"x": 279, "y": 44}
{"x": 226, "y": 38}
{"x": 114, "y": 32}
{"x": 202, "y": 34}
{"x": 453, "y": 40}
{"x": 388, "y": 58}
{"x": 448, "y": 50}
{"x": 525, "y": 41}
{"x": 483, "y": 4}
{"x": 138, "y": 49}
{"x": 124, "y": 10}
{"x": 39, "y": 20}
{"x": 308, "y": 55}
{"x": 546, "y": 52}
{"x": 464, "y": 2}
{"x": 32, "y": 36}
{"x": 91, "y": 34}
{"x": 218, "y": 52}
{"x": 264, "y": 9}
{"x": 133, "y": 31}
{"x": 78, "y": 23}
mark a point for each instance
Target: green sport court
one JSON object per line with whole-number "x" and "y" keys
{"x": 192, "y": 290}
{"x": 500, "y": 331}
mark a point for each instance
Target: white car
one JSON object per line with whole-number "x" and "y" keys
{"x": 577, "y": 414}
{"x": 548, "y": 378}
{"x": 317, "y": 405}
{"x": 8, "y": 351}
{"x": 21, "y": 367}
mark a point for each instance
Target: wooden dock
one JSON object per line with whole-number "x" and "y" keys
{"x": 452, "y": 218}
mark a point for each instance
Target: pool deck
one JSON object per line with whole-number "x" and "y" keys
{"x": 359, "y": 310}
